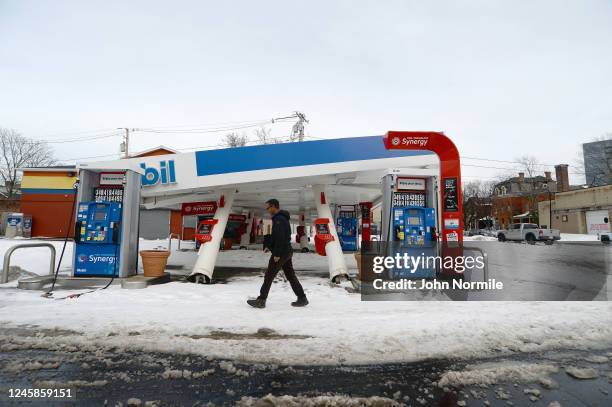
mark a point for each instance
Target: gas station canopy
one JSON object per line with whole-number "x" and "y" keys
{"x": 351, "y": 170}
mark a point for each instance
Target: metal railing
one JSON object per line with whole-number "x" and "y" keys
{"x": 178, "y": 237}
{"x": 9, "y": 252}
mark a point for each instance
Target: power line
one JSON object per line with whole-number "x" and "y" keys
{"x": 99, "y": 131}
{"x": 250, "y": 141}
{"x": 210, "y": 146}
{"x": 504, "y": 161}
{"x": 507, "y": 168}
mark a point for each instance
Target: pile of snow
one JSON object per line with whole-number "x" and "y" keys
{"x": 479, "y": 238}
{"x": 318, "y": 401}
{"x": 487, "y": 374}
{"x": 575, "y": 237}
{"x": 35, "y": 261}
{"x": 16, "y": 367}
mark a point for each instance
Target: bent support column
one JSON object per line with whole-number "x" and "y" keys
{"x": 207, "y": 256}
{"x": 333, "y": 251}
{"x": 245, "y": 239}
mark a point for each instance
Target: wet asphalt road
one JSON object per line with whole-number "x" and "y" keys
{"x": 111, "y": 377}
{"x": 564, "y": 271}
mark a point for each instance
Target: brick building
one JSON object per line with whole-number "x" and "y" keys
{"x": 516, "y": 199}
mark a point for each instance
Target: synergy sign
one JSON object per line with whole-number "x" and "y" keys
{"x": 399, "y": 141}
{"x": 164, "y": 174}
{"x": 199, "y": 208}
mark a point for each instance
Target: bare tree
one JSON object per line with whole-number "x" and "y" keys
{"x": 263, "y": 135}
{"x": 531, "y": 166}
{"x": 20, "y": 152}
{"x": 235, "y": 139}
{"x": 477, "y": 201}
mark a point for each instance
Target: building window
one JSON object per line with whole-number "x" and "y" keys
{"x": 564, "y": 218}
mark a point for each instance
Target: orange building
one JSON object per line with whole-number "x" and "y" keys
{"x": 47, "y": 195}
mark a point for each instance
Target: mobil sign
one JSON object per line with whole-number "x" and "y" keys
{"x": 162, "y": 172}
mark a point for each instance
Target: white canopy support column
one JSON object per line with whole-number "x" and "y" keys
{"x": 304, "y": 237}
{"x": 207, "y": 256}
{"x": 245, "y": 239}
{"x": 333, "y": 250}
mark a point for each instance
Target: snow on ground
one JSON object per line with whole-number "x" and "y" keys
{"x": 337, "y": 327}
{"x": 567, "y": 237}
{"x": 575, "y": 237}
{"x": 478, "y": 238}
{"x": 489, "y": 373}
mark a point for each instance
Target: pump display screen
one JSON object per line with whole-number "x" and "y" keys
{"x": 409, "y": 199}
{"x": 323, "y": 228}
{"x": 100, "y": 214}
{"x": 205, "y": 229}
{"x": 414, "y": 220}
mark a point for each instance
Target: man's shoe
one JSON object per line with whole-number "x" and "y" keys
{"x": 257, "y": 303}
{"x": 301, "y": 302}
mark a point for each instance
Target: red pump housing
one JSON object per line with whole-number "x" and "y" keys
{"x": 323, "y": 235}
{"x": 205, "y": 228}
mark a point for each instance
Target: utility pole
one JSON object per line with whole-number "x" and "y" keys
{"x": 126, "y": 142}
{"x": 298, "y": 127}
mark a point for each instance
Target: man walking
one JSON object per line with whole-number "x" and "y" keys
{"x": 282, "y": 252}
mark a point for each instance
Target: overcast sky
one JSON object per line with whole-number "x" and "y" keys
{"x": 502, "y": 78}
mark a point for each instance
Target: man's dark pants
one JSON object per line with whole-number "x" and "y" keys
{"x": 286, "y": 264}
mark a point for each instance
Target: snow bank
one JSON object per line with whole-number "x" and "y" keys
{"x": 478, "y": 238}
{"x": 318, "y": 401}
{"x": 487, "y": 374}
{"x": 36, "y": 260}
{"x": 575, "y": 237}
{"x": 336, "y": 328}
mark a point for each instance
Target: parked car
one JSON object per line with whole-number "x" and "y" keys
{"x": 605, "y": 237}
{"x": 528, "y": 232}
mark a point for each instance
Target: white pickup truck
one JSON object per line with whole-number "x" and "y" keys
{"x": 528, "y": 232}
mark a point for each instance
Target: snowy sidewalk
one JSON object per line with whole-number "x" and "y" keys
{"x": 337, "y": 327}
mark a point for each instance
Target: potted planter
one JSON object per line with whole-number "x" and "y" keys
{"x": 154, "y": 262}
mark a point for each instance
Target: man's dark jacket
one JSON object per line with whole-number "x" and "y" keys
{"x": 280, "y": 244}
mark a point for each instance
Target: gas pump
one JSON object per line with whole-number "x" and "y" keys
{"x": 346, "y": 226}
{"x": 106, "y": 224}
{"x": 323, "y": 235}
{"x": 414, "y": 235}
{"x": 97, "y": 236}
{"x": 204, "y": 232}
{"x": 412, "y": 223}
